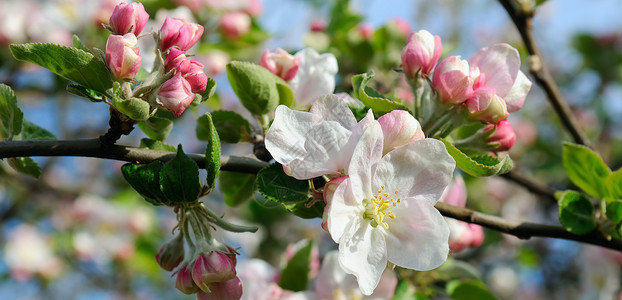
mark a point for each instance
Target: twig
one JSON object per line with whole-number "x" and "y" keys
{"x": 531, "y": 185}
{"x": 94, "y": 148}
{"x": 522, "y": 18}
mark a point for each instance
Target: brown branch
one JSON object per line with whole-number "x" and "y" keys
{"x": 95, "y": 148}
{"x": 522, "y": 18}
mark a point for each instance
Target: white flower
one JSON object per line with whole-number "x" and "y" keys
{"x": 334, "y": 283}
{"x": 384, "y": 208}
{"x": 315, "y": 77}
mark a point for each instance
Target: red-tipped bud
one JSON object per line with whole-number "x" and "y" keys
{"x": 176, "y": 94}
{"x": 421, "y": 53}
{"x": 184, "y": 281}
{"x": 228, "y": 290}
{"x": 503, "y": 138}
{"x": 128, "y": 17}
{"x": 452, "y": 80}
{"x": 179, "y": 33}
{"x": 122, "y": 56}
{"x": 171, "y": 254}
{"x": 212, "y": 267}
{"x": 486, "y": 106}
{"x": 280, "y": 63}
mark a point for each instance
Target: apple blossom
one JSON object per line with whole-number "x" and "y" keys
{"x": 399, "y": 128}
{"x": 421, "y": 53}
{"x": 122, "y": 56}
{"x": 401, "y": 25}
{"x": 184, "y": 281}
{"x": 235, "y": 24}
{"x": 175, "y": 94}
{"x": 384, "y": 209}
{"x": 486, "y": 106}
{"x": 315, "y": 77}
{"x": 452, "y": 80}
{"x": 213, "y": 267}
{"x": 500, "y": 65}
{"x": 280, "y": 63}
{"x": 503, "y": 138}
{"x": 128, "y": 18}
{"x": 179, "y": 33}
{"x": 191, "y": 70}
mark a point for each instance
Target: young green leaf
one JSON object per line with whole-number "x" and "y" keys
{"x": 135, "y": 108}
{"x": 576, "y": 212}
{"x": 207, "y": 132}
{"x": 231, "y": 127}
{"x": 295, "y": 275}
{"x": 11, "y": 117}
{"x": 179, "y": 178}
{"x": 25, "y": 165}
{"x": 372, "y": 98}
{"x": 614, "y": 184}
{"x": 237, "y": 188}
{"x": 254, "y": 85}
{"x": 32, "y": 131}
{"x": 613, "y": 210}
{"x": 286, "y": 96}
{"x": 275, "y": 185}
{"x": 210, "y": 89}
{"x": 481, "y": 165}
{"x": 156, "y": 127}
{"x": 81, "y": 91}
{"x": 585, "y": 169}
{"x": 156, "y": 145}
{"x": 73, "y": 64}
{"x": 468, "y": 290}
{"x": 145, "y": 179}
{"x": 77, "y": 43}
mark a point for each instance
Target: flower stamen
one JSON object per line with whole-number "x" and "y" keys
{"x": 377, "y": 208}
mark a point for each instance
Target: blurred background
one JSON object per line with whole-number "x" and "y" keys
{"x": 80, "y": 232}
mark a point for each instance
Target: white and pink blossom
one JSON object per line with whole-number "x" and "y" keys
{"x": 421, "y": 53}
{"x": 122, "y": 56}
{"x": 315, "y": 77}
{"x": 280, "y": 63}
{"x": 452, "y": 80}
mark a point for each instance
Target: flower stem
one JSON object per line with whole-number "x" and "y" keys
{"x": 220, "y": 222}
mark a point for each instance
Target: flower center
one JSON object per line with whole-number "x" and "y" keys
{"x": 379, "y": 207}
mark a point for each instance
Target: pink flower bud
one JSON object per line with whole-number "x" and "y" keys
{"x": 280, "y": 63}
{"x": 235, "y": 24}
{"x": 174, "y": 59}
{"x": 486, "y": 106}
{"x": 503, "y": 138}
{"x": 459, "y": 235}
{"x": 179, "y": 33}
{"x": 477, "y": 235}
{"x": 455, "y": 193}
{"x": 421, "y": 53}
{"x": 399, "y": 128}
{"x": 184, "y": 281}
{"x": 171, "y": 254}
{"x": 402, "y": 26}
{"x": 228, "y": 290}
{"x": 176, "y": 94}
{"x": 122, "y": 56}
{"x": 215, "y": 62}
{"x": 212, "y": 267}
{"x": 128, "y": 17}
{"x": 192, "y": 71}
{"x": 254, "y": 8}
{"x": 318, "y": 25}
{"x": 365, "y": 30}
{"x": 452, "y": 80}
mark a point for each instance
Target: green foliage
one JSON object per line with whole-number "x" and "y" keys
{"x": 179, "y": 178}
{"x": 295, "y": 275}
{"x": 156, "y": 145}
{"x": 576, "y": 212}
{"x": 231, "y": 127}
{"x": 210, "y": 89}
{"x": 286, "y": 96}
{"x": 237, "y": 188}
{"x": 145, "y": 179}
{"x": 614, "y": 184}
{"x": 32, "y": 131}
{"x": 156, "y": 127}
{"x": 585, "y": 169}
{"x": 207, "y": 131}
{"x": 73, "y": 64}
{"x": 81, "y": 91}
{"x": 613, "y": 210}
{"x": 468, "y": 290}
{"x": 135, "y": 108}
{"x": 11, "y": 117}
{"x": 254, "y": 85}
{"x": 25, "y": 165}
{"x": 480, "y": 165}
{"x": 372, "y": 98}
{"x": 457, "y": 269}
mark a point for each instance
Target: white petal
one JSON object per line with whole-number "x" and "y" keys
{"x": 367, "y": 153}
{"x": 322, "y": 146}
{"x": 418, "y": 236}
{"x": 500, "y": 63}
{"x": 516, "y": 96}
{"x": 315, "y": 77}
{"x": 333, "y": 277}
{"x": 364, "y": 255}
{"x": 421, "y": 169}
{"x": 343, "y": 211}
{"x": 333, "y": 108}
{"x": 286, "y": 136}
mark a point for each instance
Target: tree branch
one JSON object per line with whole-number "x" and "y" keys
{"x": 95, "y": 148}
{"x": 531, "y": 185}
{"x": 522, "y": 18}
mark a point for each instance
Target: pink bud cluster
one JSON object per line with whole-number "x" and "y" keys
{"x": 122, "y": 53}
{"x": 175, "y": 37}
{"x": 211, "y": 275}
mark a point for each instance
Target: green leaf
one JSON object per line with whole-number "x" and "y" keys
{"x": 457, "y": 269}
{"x": 585, "y": 169}
{"x": 306, "y": 210}
{"x": 145, "y": 179}
{"x": 614, "y": 184}
{"x": 210, "y": 89}
{"x": 372, "y": 98}
{"x": 25, "y": 165}
{"x": 32, "y": 131}
{"x": 254, "y": 85}
{"x": 157, "y": 145}
{"x": 81, "y": 91}
{"x": 286, "y": 96}
{"x": 73, "y": 64}
{"x": 11, "y": 117}
{"x": 481, "y": 165}
{"x": 156, "y": 127}
{"x": 231, "y": 127}
{"x": 613, "y": 210}
{"x": 207, "y": 132}
{"x": 179, "y": 178}
{"x": 404, "y": 291}
{"x": 237, "y": 188}
{"x": 275, "y": 185}
{"x": 135, "y": 108}
{"x": 468, "y": 290}
{"x": 295, "y": 275}
{"x": 77, "y": 43}
{"x": 576, "y": 212}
